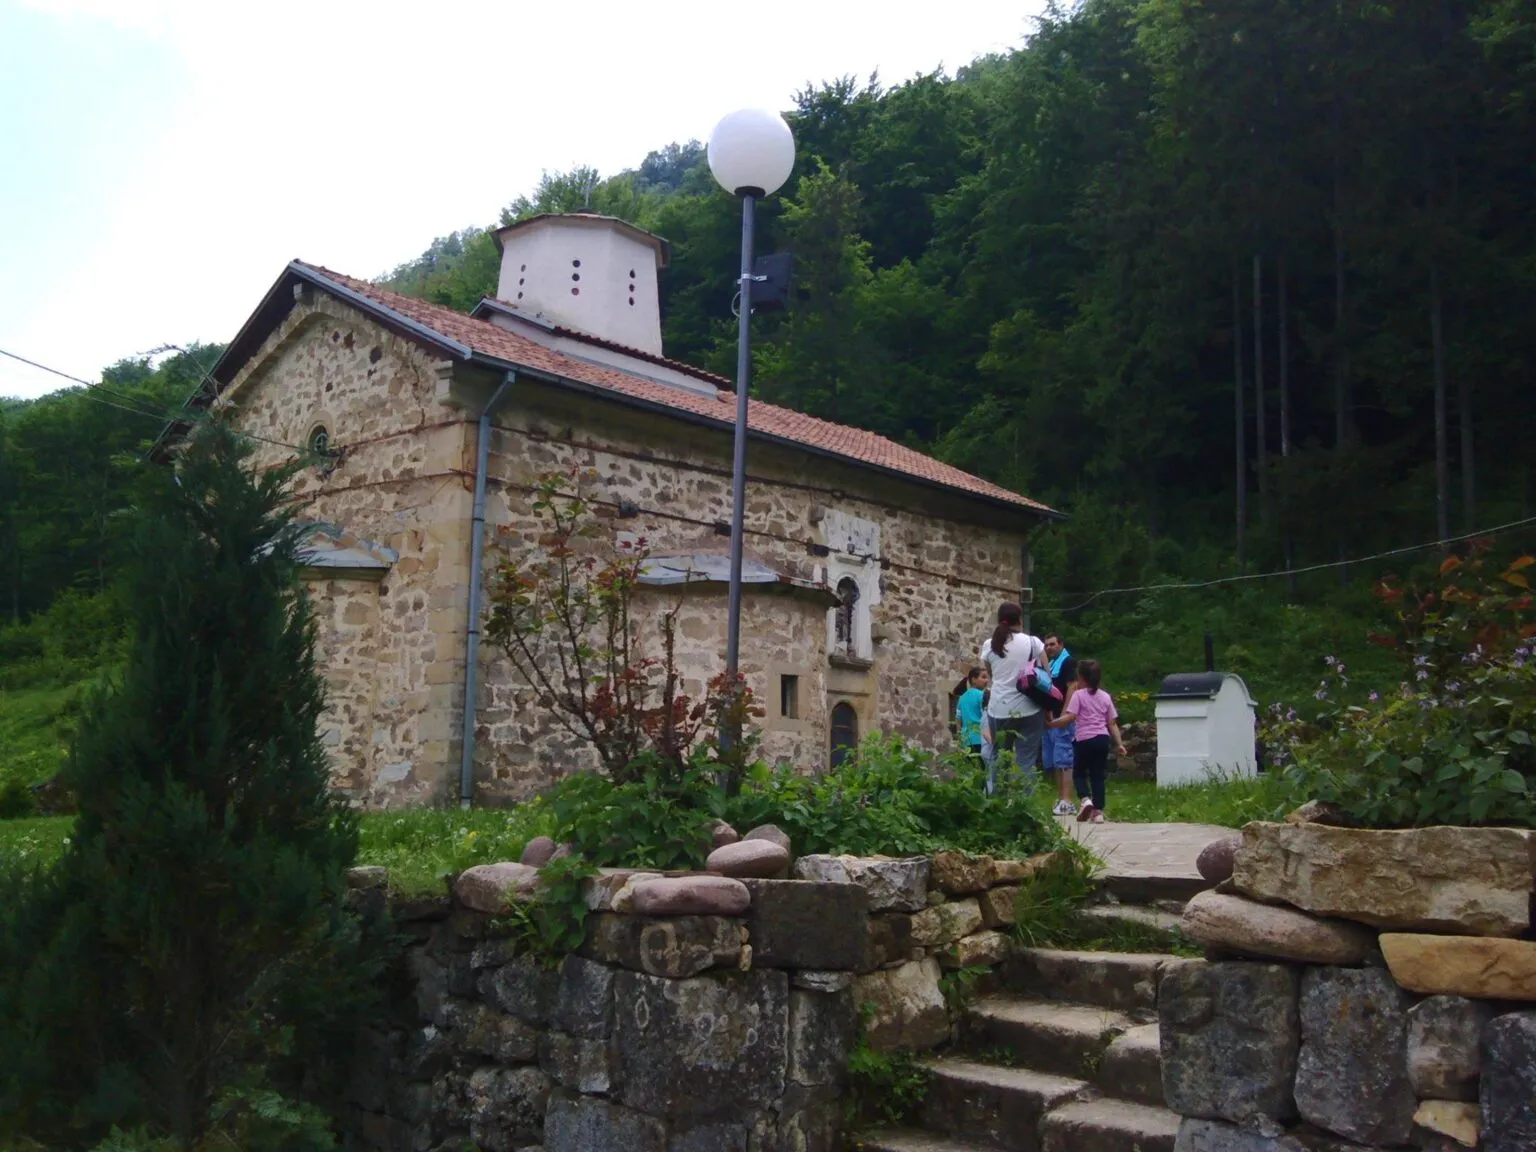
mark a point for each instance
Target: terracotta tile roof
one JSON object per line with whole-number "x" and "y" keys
{"x": 853, "y": 444}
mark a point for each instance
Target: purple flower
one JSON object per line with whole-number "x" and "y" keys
{"x": 1420, "y": 661}
{"x": 1426, "y": 703}
{"x": 1373, "y": 697}
{"x": 1320, "y": 694}
{"x": 1421, "y": 675}
{"x": 1453, "y": 686}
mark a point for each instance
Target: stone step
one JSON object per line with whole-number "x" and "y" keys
{"x": 1137, "y": 886}
{"x": 908, "y": 1140}
{"x": 1132, "y": 1066}
{"x": 996, "y": 1106}
{"x": 1123, "y": 981}
{"x": 1160, "y": 919}
{"x": 1047, "y": 1035}
{"x": 1106, "y": 1125}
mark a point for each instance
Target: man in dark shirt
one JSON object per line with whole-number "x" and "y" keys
{"x": 1058, "y": 750}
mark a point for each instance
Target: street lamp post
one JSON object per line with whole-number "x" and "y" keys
{"x": 751, "y": 154}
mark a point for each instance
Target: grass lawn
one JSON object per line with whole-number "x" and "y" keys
{"x": 34, "y": 728}
{"x": 1232, "y": 803}
{"x": 419, "y": 847}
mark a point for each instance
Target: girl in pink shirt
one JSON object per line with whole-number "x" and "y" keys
{"x": 1094, "y": 710}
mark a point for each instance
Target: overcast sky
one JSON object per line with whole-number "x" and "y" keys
{"x": 161, "y": 160}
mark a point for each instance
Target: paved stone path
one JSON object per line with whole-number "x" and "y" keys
{"x": 1146, "y": 862}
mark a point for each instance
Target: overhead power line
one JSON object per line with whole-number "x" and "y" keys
{"x": 1249, "y": 576}
{"x": 96, "y": 391}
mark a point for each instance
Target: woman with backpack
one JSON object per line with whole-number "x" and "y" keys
{"x": 1018, "y": 723}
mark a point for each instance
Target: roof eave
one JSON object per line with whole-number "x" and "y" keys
{"x": 1022, "y": 510}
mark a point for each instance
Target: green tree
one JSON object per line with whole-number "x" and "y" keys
{"x": 190, "y": 953}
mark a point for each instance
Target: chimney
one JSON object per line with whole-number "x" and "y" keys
{"x": 592, "y": 273}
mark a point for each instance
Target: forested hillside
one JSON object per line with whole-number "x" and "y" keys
{"x": 66, "y": 471}
{"x": 1237, "y": 284}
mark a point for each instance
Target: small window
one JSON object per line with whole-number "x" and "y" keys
{"x": 319, "y": 441}
{"x": 845, "y": 733}
{"x": 789, "y": 697}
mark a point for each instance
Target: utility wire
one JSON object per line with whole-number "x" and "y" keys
{"x": 1494, "y": 531}
{"x": 130, "y": 406}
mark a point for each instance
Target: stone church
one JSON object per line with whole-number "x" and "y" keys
{"x": 873, "y": 571}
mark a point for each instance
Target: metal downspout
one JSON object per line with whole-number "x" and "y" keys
{"x": 472, "y": 625}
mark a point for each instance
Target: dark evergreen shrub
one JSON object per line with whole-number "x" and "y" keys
{"x": 187, "y": 967}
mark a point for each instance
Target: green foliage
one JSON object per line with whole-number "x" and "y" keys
{"x": 191, "y": 943}
{"x": 896, "y": 798}
{"x": 658, "y": 821}
{"x": 553, "y": 924}
{"x": 885, "y": 1087}
{"x": 1046, "y": 906}
{"x": 424, "y": 847}
{"x": 959, "y": 986}
{"x": 1454, "y": 743}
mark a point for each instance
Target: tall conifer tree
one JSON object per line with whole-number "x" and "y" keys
{"x": 192, "y": 946}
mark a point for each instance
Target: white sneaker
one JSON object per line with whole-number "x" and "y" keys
{"x": 1065, "y": 808}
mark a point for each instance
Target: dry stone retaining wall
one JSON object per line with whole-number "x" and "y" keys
{"x": 1367, "y": 989}
{"x": 720, "y": 1021}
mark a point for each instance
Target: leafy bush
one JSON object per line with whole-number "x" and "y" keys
{"x": 1453, "y": 745}
{"x": 892, "y": 797}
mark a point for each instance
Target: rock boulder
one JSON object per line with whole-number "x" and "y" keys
{"x": 1244, "y": 927}
{"x": 1352, "y": 1073}
{"x": 893, "y": 885}
{"x": 1487, "y": 967}
{"x": 908, "y": 1008}
{"x": 1215, "y": 859}
{"x": 946, "y": 923}
{"x": 1473, "y": 881}
{"x": 490, "y": 888}
{"x": 1507, "y": 1088}
{"x": 749, "y": 858}
{"x": 690, "y": 896}
{"x": 538, "y": 852}
{"x": 1229, "y": 1035}
{"x": 712, "y": 1045}
{"x": 961, "y": 874}
{"x": 1443, "y": 1037}
{"x": 798, "y": 924}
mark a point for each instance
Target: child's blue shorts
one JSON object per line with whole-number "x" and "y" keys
{"x": 1057, "y": 749}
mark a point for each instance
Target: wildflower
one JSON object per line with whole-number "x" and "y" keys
{"x": 1421, "y": 675}
{"x": 1320, "y": 694}
{"x": 1330, "y": 661}
{"x": 1373, "y": 697}
{"x": 1420, "y": 661}
{"x": 1426, "y": 703}
{"x": 1453, "y": 686}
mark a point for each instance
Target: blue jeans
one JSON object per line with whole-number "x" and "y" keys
{"x": 1021, "y": 735}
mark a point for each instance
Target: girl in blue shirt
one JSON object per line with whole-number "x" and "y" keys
{"x": 970, "y": 710}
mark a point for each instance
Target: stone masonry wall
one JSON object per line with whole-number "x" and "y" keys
{"x": 941, "y": 577}
{"x": 399, "y": 421}
{"x": 386, "y": 647}
{"x": 1368, "y": 989}
{"x": 702, "y": 1014}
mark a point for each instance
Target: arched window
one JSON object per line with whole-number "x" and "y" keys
{"x": 847, "y": 632}
{"x": 845, "y": 732}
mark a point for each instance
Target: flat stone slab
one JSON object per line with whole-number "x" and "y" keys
{"x": 1108, "y": 1125}
{"x": 1147, "y": 862}
{"x": 1468, "y": 881}
{"x": 1485, "y": 967}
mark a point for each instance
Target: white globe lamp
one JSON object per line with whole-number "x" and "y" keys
{"x": 752, "y": 152}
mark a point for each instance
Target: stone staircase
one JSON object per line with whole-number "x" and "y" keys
{"x": 1064, "y": 1060}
